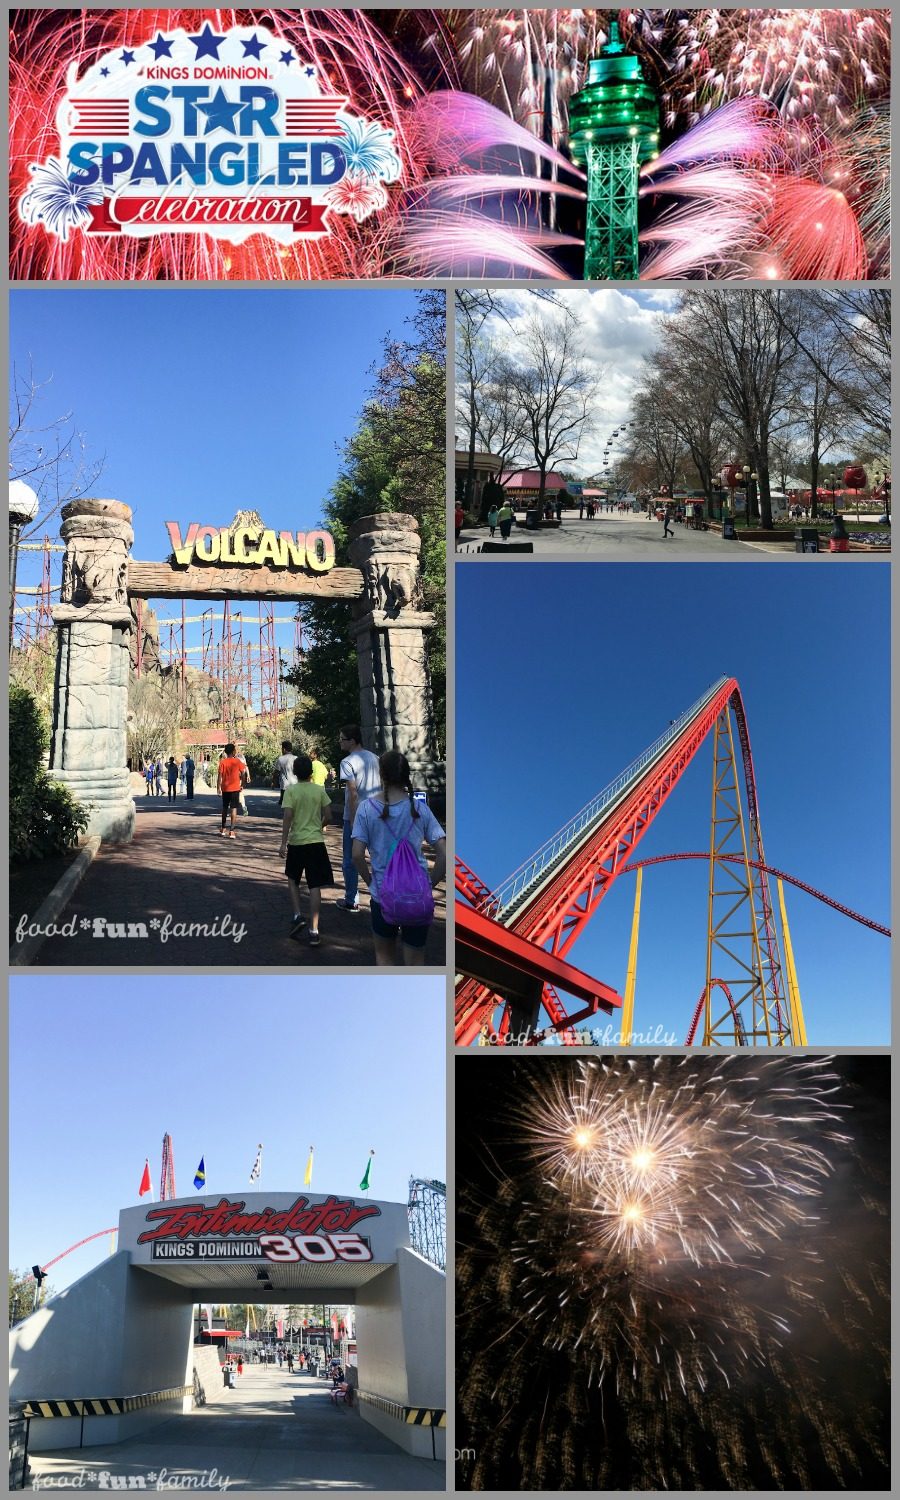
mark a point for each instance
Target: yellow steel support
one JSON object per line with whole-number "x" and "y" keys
{"x": 631, "y": 976}
{"x": 733, "y": 947}
{"x": 798, "y": 1024}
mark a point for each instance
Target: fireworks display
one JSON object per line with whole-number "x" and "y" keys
{"x": 671, "y": 1275}
{"x": 774, "y": 121}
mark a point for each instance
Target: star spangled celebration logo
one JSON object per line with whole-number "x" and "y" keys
{"x": 228, "y": 133}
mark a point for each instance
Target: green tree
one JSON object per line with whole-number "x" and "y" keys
{"x": 44, "y": 818}
{"x": 21, "y": 1295}
{"x": 394, "y": 461}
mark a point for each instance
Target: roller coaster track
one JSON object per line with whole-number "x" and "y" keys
{"x": 845, "y": 911}
{"x": 695, "y": 1020}
{"x": 527, "y": 925}
{"x": 77, "y": 1246}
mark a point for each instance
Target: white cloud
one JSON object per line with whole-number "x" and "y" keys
{"x": 618, "y": 329}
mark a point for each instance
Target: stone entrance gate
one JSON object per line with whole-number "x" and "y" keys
{"x": 94, "y": 619}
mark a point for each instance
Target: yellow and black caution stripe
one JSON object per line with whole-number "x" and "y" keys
{"x": 102, "y": 1406}
{"x": 425, "y": 1416}
{"x": 412, "y": 1416}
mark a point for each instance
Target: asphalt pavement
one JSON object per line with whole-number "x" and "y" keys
{"x": 275, "y": 1431}
{"x": 632, "y": 538}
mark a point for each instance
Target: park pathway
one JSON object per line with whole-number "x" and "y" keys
{"x": 179, "y": 871}
{"x": 275, "y": 1431}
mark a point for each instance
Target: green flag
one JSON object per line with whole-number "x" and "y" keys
{"x": 364, "y": 1185}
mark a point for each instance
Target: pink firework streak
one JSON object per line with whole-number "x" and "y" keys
{"x": 814, "y": 233}
{"x": 349, "y": 51}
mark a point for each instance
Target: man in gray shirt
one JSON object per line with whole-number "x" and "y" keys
{"x": 362, "y": 780}
{"x": 284, "y": 769}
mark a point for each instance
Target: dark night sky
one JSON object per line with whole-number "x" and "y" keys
{"x": 811, "y": 1414}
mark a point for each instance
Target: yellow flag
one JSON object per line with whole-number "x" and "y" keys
{"x": 307, "y": 1176}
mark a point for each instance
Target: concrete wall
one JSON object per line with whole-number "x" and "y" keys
{"x": 114, "y": 1332}
{"x": 208, "y": 1372}
{"x": 401, "y": 1336}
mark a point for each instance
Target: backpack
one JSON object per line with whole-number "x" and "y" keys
{"x": 405, "y": 894}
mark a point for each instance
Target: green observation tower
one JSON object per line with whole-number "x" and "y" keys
{"x": 613, "y": 129}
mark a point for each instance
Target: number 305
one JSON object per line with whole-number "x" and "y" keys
{"x": 321, "y": 1247}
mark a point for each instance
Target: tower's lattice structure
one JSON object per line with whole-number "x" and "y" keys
{"x": 613, "y": 129}
{"x": 427, "y": 1211}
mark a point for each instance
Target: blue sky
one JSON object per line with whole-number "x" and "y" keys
{"x": 567, "y": 672}
{"x": 206, "y": 401}
{"x": 221, "y": 1063}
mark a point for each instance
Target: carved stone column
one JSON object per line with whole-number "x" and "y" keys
{"x": 90, "y": 700}
{"x": 389, "y": 625}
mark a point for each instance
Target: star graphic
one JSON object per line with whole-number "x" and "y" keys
{"x": 310, "y": 72}
{"x": 161, "y": 47}
{"x": 126, "y": 58}
{"x": 104, "y": 72}
{"x": 286, "y": 57}
{"x": 254, "y": 47}
{"x": 219, "y": 113}
{"x": 207, "y": 43}
{"x": 85, "y": 924}
{"x": 155, "y": 923}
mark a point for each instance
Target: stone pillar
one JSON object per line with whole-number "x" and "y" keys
{"x": 90, "y": 700}
{"x": 389, "y": 625}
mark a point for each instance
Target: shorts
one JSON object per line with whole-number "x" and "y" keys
{"x": 310, "y": 860}
{"x": 413, "y": 937}
{"x": 229, "y": 799}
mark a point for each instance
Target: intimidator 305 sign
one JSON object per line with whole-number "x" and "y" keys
{"x": 227, "y": 132}
{"x": 251, "y": 547}
{"x": 320, "y": 1232}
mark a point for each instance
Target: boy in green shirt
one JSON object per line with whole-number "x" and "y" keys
{"x": 305, "y": 812}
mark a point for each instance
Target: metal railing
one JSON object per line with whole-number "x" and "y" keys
{"x": 517, "y": 886}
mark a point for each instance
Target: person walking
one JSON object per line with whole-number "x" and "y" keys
{"x": 148, "y": 777}
{"x": 172, "y": 778}
{"x": 157, "y": 776}
{"x": 492, "y": 519}
{"x": 581, "y": 508}
{"x": 305, "y": 814}
{"x": 182, "y": 773}
{"x": 360, "y": 775}
{"x": 322, "y": 772}
{"x": 379, "y": 825}
{"x": 284, "y": 769}
{"x": 240, "y": 1364}
{"x": 189, "y": 776}
{"x": 559, "y": 508}
{"x": 229, "y": 781}
{"x": 459, "y": 516}
{"x": 505, "y": 520}
{"x": 667, "y": 518}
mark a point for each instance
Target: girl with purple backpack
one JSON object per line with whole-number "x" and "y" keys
{"x": 391, "y": 830}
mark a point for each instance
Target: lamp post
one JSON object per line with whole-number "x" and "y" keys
{"x": 613, "y": 129}
{"x": 23, "y": 507}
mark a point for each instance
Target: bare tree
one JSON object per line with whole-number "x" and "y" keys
{"x": 750, "y": 337}
{"x": 655, "y": 445}
{"x": 556, "y": 389}
{"x": 47, "y": 452}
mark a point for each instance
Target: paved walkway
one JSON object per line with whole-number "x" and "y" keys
{"x": 632, "y": 538}
{"x": 274, "y": 1432}
{"x": 179, "y": 870}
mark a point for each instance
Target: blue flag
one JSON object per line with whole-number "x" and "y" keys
{"x": 200, "y": 1175}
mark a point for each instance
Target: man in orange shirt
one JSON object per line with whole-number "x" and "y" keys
{"x": 233, "y": 775}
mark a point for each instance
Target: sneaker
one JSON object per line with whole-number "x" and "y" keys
{"x": 232, "y": 834}
{"x": 297, "y": 926}
{"x": 314, "y": 940}
{"x": 345, "y": 906}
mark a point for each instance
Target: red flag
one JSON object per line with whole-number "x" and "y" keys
{"x": 146, "y": 1185}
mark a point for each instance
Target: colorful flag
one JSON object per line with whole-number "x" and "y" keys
{"x": 146, "y": 1185}
{"x": 257, "y": 1165}
{"x": 307, "y": 1176}
{"x": 364, "y": 1185}
{"x": 200, "y": 1175}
